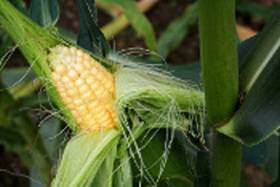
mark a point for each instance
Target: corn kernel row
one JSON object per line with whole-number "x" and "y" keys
{"x": 86, "y": 88}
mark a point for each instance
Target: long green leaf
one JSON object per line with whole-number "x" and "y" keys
{"x": 45, "y": 12}
{"x": 15, "y": 76}
{"x": 20, "y": 5}
{"x": 259, "y": 115}
{"x": 11, "y": 138}
{"x": 256, "y": 9}
{"x": 176, "y": 31}
{"x": 189, "y": 72}
{"x": 138, "y": 20}
{"x": 90, "y": 37}
{"x": 258, "y": 58}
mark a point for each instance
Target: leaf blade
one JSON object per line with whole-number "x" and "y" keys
{"x": 139, "y": 21}
{"x": 177, "y": 30}
{"x": 259, "y": 56}
{"x": 44, "y": 12}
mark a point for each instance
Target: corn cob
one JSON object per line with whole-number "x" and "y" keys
{"x": 85, "y": 87}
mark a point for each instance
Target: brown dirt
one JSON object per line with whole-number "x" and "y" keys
{"x": 255, "y": 176}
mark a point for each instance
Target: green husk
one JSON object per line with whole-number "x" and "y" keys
{"x": 83, "y": 157}
{"x": 158, "y": 100}
{"x": 34, "y": 42}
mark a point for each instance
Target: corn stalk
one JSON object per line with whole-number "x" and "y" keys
{"x": 218, "y": 43}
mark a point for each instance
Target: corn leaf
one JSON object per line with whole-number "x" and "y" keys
{"x": 263, "y": 51}
{"x": 49, "y": 131}
{"x": 256, "y": 9}
{"x": 258, "y": 116}
{"x": 44, "y": 12}
{"x": 14, "y": 76}
{"x": 90, "y": 37}
{"x": 192, "y": 71}
{"x": 188, "y": 72}
{"x": 138, "y": 21}
{"x": 82, "y": 158}
{"x": 20, "y": 5}
{"x": 5, "y": 43}
{"x": 11, "y": 138}
{"x": 176, "y": 31}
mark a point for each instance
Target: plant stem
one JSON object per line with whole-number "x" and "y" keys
{"x": 225, "y": 161}
{"x": 218, "y": 42}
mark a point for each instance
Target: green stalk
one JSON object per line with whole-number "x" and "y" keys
{"x": 218, "y": 42}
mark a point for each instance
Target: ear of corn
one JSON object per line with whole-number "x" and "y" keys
{"x": 86, "y": 88}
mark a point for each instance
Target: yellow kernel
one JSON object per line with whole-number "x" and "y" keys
{"x": 85, "y": 87}
{"x": 86, "y": 95}
{"x": 82, "y": 109}
{"x": 99, "y": 93}
{"x": 79, "y": 68}
{"x": 79, "y": 82}
{"x": 93, "y": 71}
{"x": 65, "y": 79}
{"x": 80, "y": 53}
{"x": 72, "y": 74}
{"x": 60, "y": 68}
{"x": 77, "y": 102}
{"x": 89, "y": 80}
{"x": 55, "y": 77}
{"x": 87, "y": 64}
{"x": 67, "y": 100}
